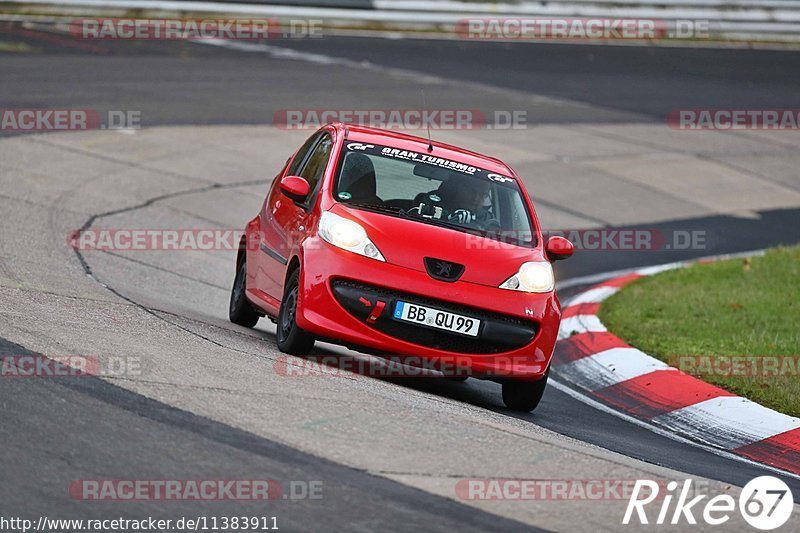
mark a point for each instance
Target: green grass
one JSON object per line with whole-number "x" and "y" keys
{"x": 6, "y": 46}
{"x": 739, "y": 307}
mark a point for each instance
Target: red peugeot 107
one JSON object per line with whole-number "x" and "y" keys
{"x": 391, "y": 244}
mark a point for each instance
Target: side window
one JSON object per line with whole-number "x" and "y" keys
{"x": 294, "y": 168}
{"x": 317, "y": 161}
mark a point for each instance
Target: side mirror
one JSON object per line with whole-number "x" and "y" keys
{"x": 558, "y": 248}
{"x": 295, "y": 187}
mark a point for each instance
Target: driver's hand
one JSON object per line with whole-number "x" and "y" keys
{"x": 462, "y": 216}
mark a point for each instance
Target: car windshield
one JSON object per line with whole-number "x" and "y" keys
{"x": 433, "y": 190}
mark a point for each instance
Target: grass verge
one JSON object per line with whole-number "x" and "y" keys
{"x": 732, "y": 323}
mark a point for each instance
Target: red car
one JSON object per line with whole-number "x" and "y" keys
{"x": 394, "y": 245}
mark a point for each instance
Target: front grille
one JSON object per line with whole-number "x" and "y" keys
{"x": 500, "y": 333}
{"x": 443, "y": 270}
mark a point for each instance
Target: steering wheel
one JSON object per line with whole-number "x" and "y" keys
{"x": 492, "y": 225}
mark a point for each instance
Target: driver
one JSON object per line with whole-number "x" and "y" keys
{"x": 466, "y": 199}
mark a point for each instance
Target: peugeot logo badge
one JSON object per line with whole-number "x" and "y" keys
{"x": 443, "y": 270}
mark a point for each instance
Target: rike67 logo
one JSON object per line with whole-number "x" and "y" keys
{"x": 765, "y": 503}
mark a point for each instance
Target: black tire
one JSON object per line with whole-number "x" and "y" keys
{"x": 524, "y": 395}
{"x": 457, "y": 378}
{"x": 291, "y": 338}
{"x": 240, "y": 311}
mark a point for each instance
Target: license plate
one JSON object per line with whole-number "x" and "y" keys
{"x": 436, "y": 318}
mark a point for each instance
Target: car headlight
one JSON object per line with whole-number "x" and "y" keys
{"x": 347, "y": 235}
{"x": 534, "y": 276}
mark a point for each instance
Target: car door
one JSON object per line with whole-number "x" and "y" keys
{"x": 284, "y": 221}
{"x": 266, "y": 257}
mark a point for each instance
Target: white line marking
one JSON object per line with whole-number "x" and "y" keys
{"x": 593, "y": 296}
{"x": 662, "y": 432}
{"x": 610, "y": 367}
{"x": 649, "y": 271}
{"x": 279, "y": 52}
{"x": 727, "y": 421}
{"x": 579, "y": 324}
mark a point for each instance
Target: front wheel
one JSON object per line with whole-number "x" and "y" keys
{"x": 240, "y": 311}
{"x": 524, "y": 395}
{"x": 291, "y": 338}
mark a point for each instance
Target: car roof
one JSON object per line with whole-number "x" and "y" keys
{"x": 405, "y": 141}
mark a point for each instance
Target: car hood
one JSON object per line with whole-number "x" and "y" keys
{"x": 405, "y": 242}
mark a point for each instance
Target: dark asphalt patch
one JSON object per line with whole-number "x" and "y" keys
{"x": 60, "y": 429}
{"x": 724, "y": 234}
{"x": 651, "y": 80}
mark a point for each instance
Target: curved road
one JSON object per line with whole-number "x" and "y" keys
{"x": 210, "y": 401}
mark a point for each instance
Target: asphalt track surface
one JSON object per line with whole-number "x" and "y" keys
{"x": 189, "y": 84}
{"x": 625, "y": 83}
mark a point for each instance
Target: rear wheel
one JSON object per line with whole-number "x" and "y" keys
{"x": 291, "y": 338}
{"x": 240, "y": 311}
{"x": 524, "y": 395}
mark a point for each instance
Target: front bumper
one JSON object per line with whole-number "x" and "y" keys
{"x": 349, "y": 299}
